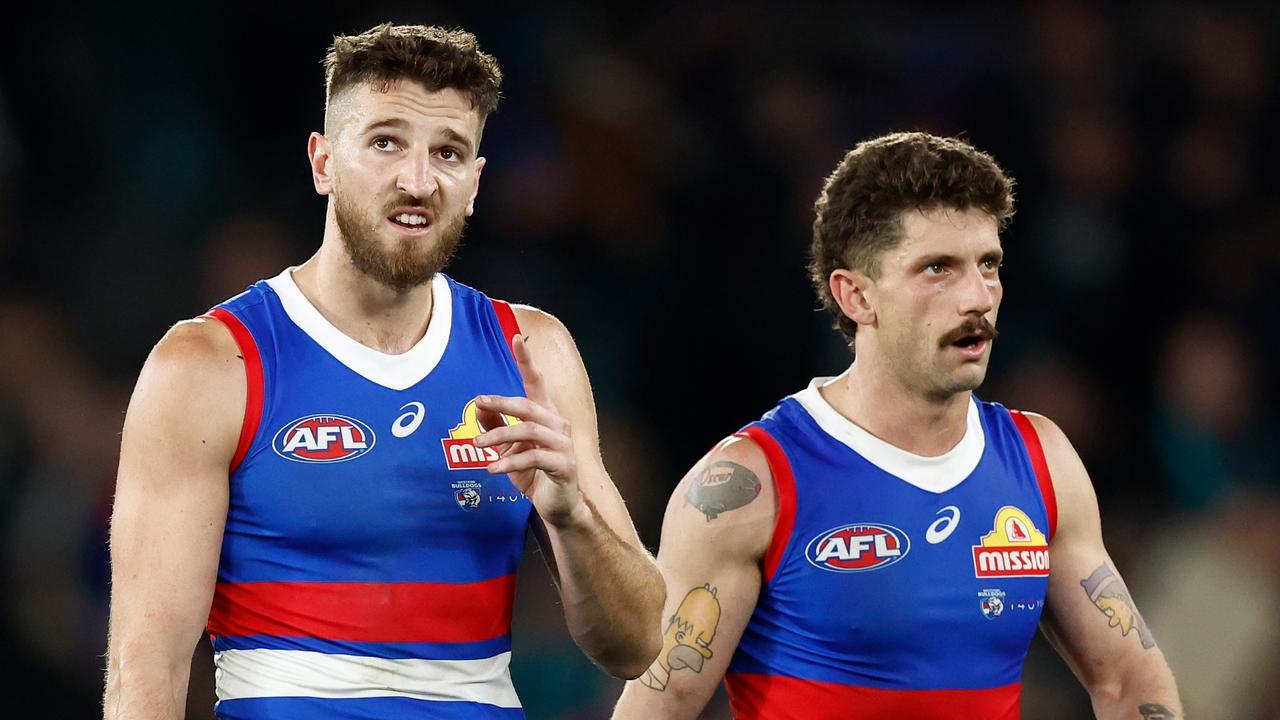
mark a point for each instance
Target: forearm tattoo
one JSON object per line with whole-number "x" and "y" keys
{"x": 687, "y": 641}
{"x": 721, "y": 487}
{"x": 1152, "y": 711}
{"x": 1109, "y": 594}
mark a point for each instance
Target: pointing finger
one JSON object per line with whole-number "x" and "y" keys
{"x": 533, "y": 385}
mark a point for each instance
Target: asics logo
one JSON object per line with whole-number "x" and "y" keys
{"x": 408, "y": 422}
{"x": 942, "y": 528}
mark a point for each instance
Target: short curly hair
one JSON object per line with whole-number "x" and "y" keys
{"x": 858, "y": 215}
{"x": 437, "y": 57}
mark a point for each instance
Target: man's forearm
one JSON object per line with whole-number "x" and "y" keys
{"x": 1145, "y": 691}
{"x": 612, "y": 592}
{"x": 155, "y": 695}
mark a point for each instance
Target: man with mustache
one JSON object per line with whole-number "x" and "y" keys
{"x": 334, "y": 472}
{"x": 882, "y": 544}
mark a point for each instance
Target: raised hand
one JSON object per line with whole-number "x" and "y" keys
{"x": 537, "y": 452}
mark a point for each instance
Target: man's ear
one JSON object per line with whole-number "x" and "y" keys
{"x": 475, "y": 188}
{"x": 318, "y": 154}
{"x": 854, "y": 292}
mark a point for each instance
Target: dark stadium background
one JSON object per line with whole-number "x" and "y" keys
{"x": 650, "y": 178}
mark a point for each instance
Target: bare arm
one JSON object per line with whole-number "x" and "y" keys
{"x": 611, "y": 588}
{"x": 1089, "y": 616}
{"x": 717, "y": 528}
{"x": 170, "y": 509}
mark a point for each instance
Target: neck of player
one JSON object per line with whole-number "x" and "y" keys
{"x": 387, "y": 320}
{"x": 878, "y": 402}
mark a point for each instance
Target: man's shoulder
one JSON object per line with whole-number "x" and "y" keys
{"x": 728, "y": 500}
{"x": 191, "y": 392}
{"x": 196, "y": 341}
{"x": 198, "y": 358}
{"x": 532, "y": 318}
{"x": 548, "y": 338}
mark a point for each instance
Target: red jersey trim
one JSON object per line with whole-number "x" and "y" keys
{"x": 1031, "y": 439}
{"x": 254, "y": 382}
{"x": 785, "y": 482}
{"x": 775, "y": 697}
{"x": 366, "y": 611}
{"x": 507, "y": 319}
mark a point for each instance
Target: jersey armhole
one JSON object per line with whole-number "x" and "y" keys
{"x": 784, "y": 481}
{"x": 507, "y": 319}
{"x": 254, "y": 381}
{"x": 1035, "y": 452}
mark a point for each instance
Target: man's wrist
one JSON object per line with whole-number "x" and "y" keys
{"x": 580, "y": 517}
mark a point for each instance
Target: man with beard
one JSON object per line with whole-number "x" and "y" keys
{"x": 879, "y": 545}
{"x": 334, "y": 471}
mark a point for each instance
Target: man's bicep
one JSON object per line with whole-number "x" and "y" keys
{"x": 560, "y": 363}
{"x": 1090, "y": 618}
{"x": 718, "y": 523}
{"x": 171, "y": 494}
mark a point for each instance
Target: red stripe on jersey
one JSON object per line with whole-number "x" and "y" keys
{"x": 773, "y": 697}
{"x": 253, "y": 376}
{"x": 1031, "y": 439}
{"x": 785, "y": 482}
{"x": 507, "y": 319}
{"x": 366, "y": 612}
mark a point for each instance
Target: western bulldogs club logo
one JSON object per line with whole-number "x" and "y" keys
{"x": 858, "y": 548}
{"x": 992, "y": 603}
{"x": 323, "y": 439}
{"x": 467, "y": 494}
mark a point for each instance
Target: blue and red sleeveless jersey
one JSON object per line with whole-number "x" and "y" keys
{"x": 368, "y": 562}
{"x": 896, "y": 585}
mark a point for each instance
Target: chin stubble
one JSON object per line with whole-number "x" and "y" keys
{"x": 406, "y": 265}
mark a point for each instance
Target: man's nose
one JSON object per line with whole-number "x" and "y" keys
{"x": 979, "y": 294}
{"x": 417, "y": 176}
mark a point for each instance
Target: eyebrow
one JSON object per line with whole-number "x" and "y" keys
{"x": 459, "y": 138}
{"x": 948, "y": 259}
{"x": 395, "y": 123}
{"x": 934, "y": 259}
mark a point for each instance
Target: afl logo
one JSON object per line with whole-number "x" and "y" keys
{"x": 858, "y": 548}
{"x": 323, "y": 439}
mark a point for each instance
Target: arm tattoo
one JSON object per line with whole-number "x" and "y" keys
{"x": 721, "y": 487}
{"x": 687, "y": 641}
{"x": 1152, "y": 711}
{"x": 1109, "y": 594}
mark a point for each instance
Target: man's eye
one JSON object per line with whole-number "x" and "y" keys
{"x": 934, "y": 269}
{"x": 385, "y": 144}
{"x": 448, "y": 154}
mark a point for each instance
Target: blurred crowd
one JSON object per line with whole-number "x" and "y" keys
{"x": 650, "y": 181}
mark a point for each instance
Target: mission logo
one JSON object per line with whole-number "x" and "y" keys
{"x": 1013, "y": 548}
{"x": 323, "y": 439}
{"x": 858, "y": 548}
{"x": 460, "y": 451}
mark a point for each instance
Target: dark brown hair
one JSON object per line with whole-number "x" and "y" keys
{"x": 858, "y": 215}
{"x": 436, "y": 57}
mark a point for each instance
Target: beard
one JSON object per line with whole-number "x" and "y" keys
{"x": 410, "y": 262}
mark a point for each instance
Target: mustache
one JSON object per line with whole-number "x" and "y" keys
{"x": 407, "y": 201}
{"x": 972, "y": 327}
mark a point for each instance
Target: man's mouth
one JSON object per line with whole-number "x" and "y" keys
{"x": 411, "y": 219}
{"x": 972, "y": 335}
